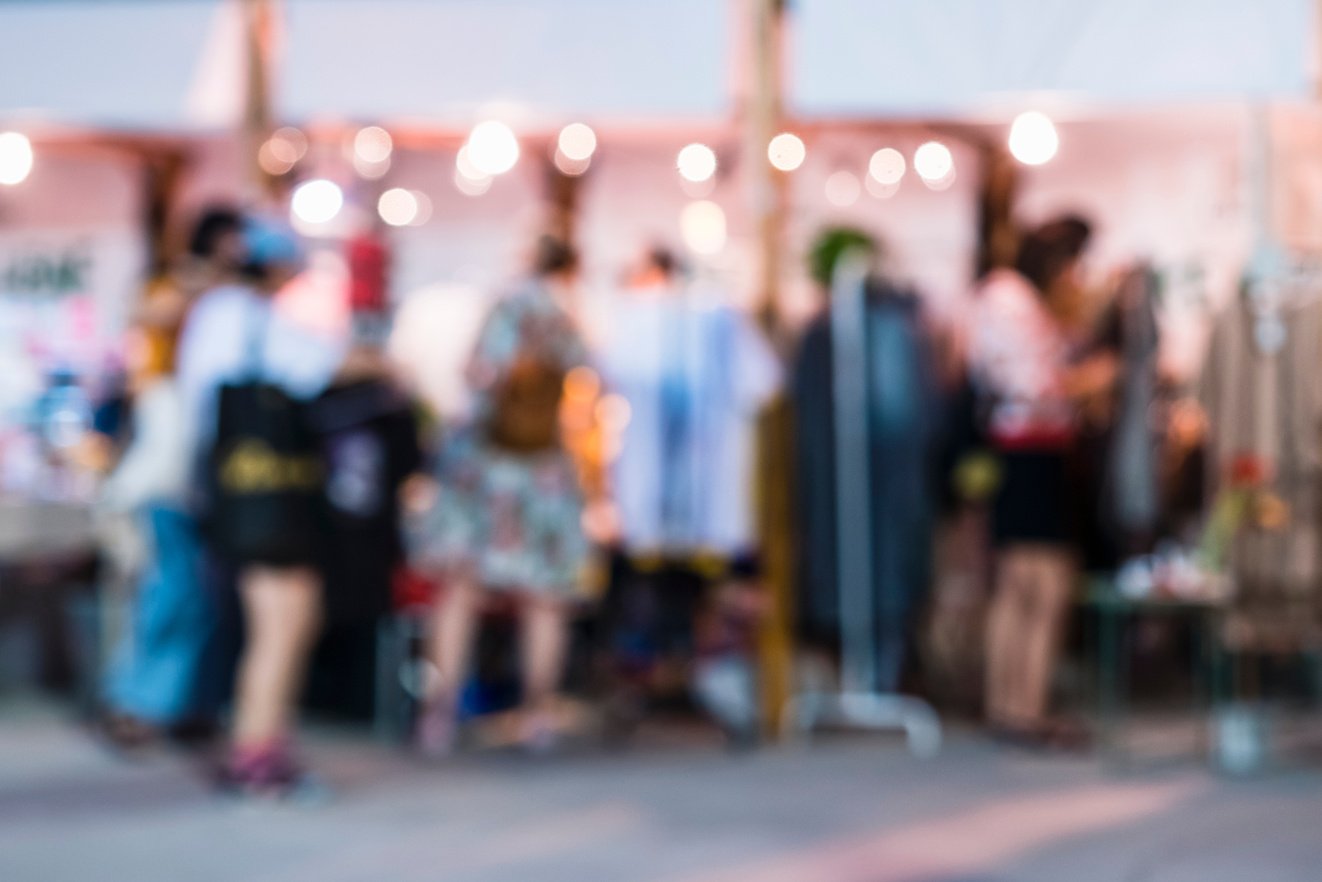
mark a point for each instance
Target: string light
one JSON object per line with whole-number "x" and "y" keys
{"x": 317, "y": 201}
{"x": 886, "y": 166}
{"x": 696, "y": 163}
{"x": 16, "y": 158}
{"x": 1033, "y": 138}
{"x": 702, "y": 226}
{"x": 492, "y": 148}
{"x": 577, "y": 142}
{"x": 398, "y": 207}
{"x": 786, "y": 151}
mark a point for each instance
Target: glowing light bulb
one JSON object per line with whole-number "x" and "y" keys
{"x": 1033, "y": 138}
{"x": 398, "y": 207}
{"x": 317, "y": 201}
{"x": 15, "y": 158}
{"x": 492, "y": 148}
{"x": 786, "y": 151}
{"x": 933, "y": 161}
{"x": 577, "y": 142}
{"x": 702, "y": 226}
{"x": 373, "y": 145}
{"x": 696, "y": 163}
{"x": 280, "y": 152}
{"x": 887, "y": 166}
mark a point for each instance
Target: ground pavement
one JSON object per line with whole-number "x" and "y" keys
{"x": 674, "y": 809}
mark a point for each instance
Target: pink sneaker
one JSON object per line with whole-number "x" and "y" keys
{"x": 435, "y": 734}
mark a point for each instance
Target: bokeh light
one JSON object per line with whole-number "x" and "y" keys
{"x": 398, "y": 207}
{"x": 16, "y": 158}
{"x": 702, "y": 226}
{"x": 492, "y": 148}
{"x": 372, "y": 171}
{"x": 577, "y": 142}
{"x": 373, "y": 145}
{"x": 1033, "y": 138}
{"x": 843, "y": 189}
{"x": 696, "y": 163}
{"x": 317, "y": 201}
{"x": 787, "y": 151}
{"x": 878, "y": 190}
{"x": 933, "y": 161}
{"x": 887, "y": 166}
{"x": 471, "y": 186}
{"x": 282, "y": 151}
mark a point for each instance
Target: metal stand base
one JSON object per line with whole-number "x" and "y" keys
{"x": 862, "y": 710}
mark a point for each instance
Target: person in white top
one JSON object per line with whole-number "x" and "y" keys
{"x": 238, "y": 332}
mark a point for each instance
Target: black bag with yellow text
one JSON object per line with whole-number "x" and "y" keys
{"x": 266, "y": 474}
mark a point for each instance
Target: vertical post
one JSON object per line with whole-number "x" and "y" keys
{"x": 259, "y": 50}
{"x": 997, "y": 237}
{"x": 762, "y": 118}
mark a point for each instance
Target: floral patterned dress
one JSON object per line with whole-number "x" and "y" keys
{"x": 512, "y": 521}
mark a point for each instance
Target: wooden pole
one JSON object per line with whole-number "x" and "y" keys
{"x": 767, "y": 191}
{"x": 259, "y": 49}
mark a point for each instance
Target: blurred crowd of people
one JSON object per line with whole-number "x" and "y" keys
{"x": 285, "y": 478}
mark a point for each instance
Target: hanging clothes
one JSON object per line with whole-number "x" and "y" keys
{"x": 1132, "y": 503}
{"x": 1262, "y": 396}
{"x": 901, "y": 422}
{"x": 695, "y": 372}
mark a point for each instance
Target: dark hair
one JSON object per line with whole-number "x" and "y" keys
{"x": 553, "y": 256}
{"x": 833, "y": 243}
{"x": 663, "y": 260}
{"x": 1046, "y": 251}
{"x": 214, "y": 224}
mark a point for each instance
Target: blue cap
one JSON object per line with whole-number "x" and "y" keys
{"x": 268, "y": 243}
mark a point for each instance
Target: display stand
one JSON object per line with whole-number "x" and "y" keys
{"x": 860, "y": 703}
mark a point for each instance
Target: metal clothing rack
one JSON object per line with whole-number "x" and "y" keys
{"x": 859, "y": 703}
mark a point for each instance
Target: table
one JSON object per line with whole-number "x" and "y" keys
{"x": 48, "y": 556}
{"x": 1114, "y": 611}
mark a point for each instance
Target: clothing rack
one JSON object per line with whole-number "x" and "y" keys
{"x": 860, "y": 703}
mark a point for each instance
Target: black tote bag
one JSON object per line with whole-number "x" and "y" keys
{"x": 266, "y": 473}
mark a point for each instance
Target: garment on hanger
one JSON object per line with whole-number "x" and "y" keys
{"x": 1261, "y": 390}
{"x": 902, "y": 402}
{"x": 695, "y": 372}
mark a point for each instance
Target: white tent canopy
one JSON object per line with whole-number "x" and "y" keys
{"x": 178, "y": 64}
{"x": 946, "y": 58}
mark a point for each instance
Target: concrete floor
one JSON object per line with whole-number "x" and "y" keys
{"x": 675, "y": 809}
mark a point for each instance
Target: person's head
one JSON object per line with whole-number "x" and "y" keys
{"x": 272, "y": 252}
{"x": 217, "y": 238}
{"x": 1049, "y": 257}
{"x": 554, "y": 259}
{"x": 658, "y": 265}
{"x": 834, "y": 243}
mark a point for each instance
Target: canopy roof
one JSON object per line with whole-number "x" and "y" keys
{"x": 175, "y": 65}
{"x": 945, "y": 58}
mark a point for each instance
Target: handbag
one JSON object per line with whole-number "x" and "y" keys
{"x": 266, "y": 472}
{"x": 525, "y": 406}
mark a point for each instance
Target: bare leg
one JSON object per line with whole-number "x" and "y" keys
{"x": 545, "y": 638}
{"x": 1005, "y": 623}
{"x": 1041, "y": 638}
{"x": 453, "y": 627}
{"x": 282, "y": 612}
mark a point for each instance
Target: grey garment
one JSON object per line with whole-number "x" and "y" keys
{"x": 1132, "y": 482}
{"x": 1268, "y": 403}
